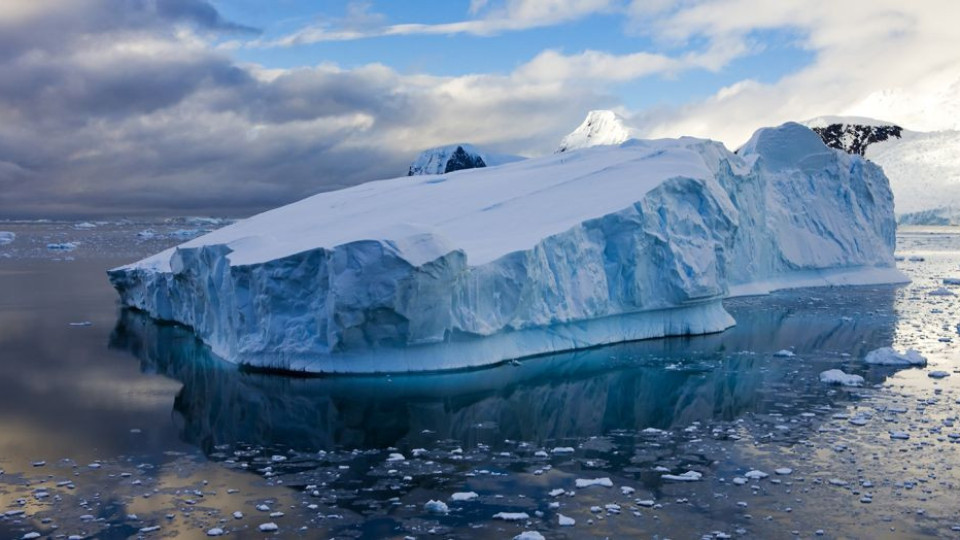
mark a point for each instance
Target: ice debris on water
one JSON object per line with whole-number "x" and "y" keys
{"x": 585, "y": 483}
{"x": 268, "y": 527}
{"x": 838, "y": 377}
{"x": 464, "y": 496}
{"x": 512, "y": 516}
{"x": 529, "y": 535}
{"x": 565, "y": 521}
{"x": 436, "y": 507}
{"x": 689, "y": 476}
{"x": 887, "y": 356}
{"x": 938, "y": 374}
{"x": 7, "y": 237}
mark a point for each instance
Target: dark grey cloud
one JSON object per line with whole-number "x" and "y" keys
{"x": 107, "y": 108}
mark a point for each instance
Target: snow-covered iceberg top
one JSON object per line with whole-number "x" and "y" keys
{"x": 556, "y": 253}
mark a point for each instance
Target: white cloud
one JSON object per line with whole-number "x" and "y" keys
{"x": 898, "y": 61}
{"x": 490, "y": 20}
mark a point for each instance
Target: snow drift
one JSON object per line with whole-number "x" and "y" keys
{"x": 563, "y": 252}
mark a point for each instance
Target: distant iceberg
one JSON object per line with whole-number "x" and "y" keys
{"x": 563, "y": 252}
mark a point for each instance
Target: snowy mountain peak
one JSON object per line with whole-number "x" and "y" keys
{"x": 445, "y": 159}
{"x": 853, "y": 134}
{"x": 598, "y": 128}
{"x": 456, "y": 157}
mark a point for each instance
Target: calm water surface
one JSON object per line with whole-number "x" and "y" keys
{"x": 112, "y": 426}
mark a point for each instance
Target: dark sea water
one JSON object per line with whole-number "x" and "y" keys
{"x": 112, "y": 424}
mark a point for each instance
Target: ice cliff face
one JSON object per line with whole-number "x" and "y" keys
{"x": 598, "y": 128}
{"x": 923, "y": 167}
{"x": 456, "y": 157}
{"x": 557, "y": 253}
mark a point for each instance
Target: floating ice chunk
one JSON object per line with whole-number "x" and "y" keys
{"x": 147, "y": 234}
{"x": 938, "y": 374}
{"x": 565, "y": 521}
{"x": 646, "y": 503}
{"x": 216, "y": 531}
{"x": 887, "y": 356}
{"x": 951, "y": 281}
{"x": 941, "y": 291}
{"x": 585, "y": 483}
{"x": 836, "y": 376}
{"x": 784, "y": 471}
{"x": 901, "y": 435}
{"x": 86, "y": 225}
{"x": 268, "y": 527}
{"x": 512, "y": 516}
{"x": 562, "y": 450}
{"x": 63, "y": 246}
{"x": 529, "y": 535}
{"x": 396, "y": 457}
{"x": 784, "y": 353}
{"x": 7, "y": 237}
{"x": 756, "y": 475}
{"x": 464, "y": 496}
{"x": 557, "y": 492}
{"x": 627, "y": 490}
{"x": 436, "y": 507}
{"x": 238, "y": 515}
{"x": 689, "y": 476}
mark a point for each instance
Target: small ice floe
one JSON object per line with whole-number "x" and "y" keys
{"x": 783, "y": 471}
{"x": 512, "y": 516}
{"x": 836, "y": 376}
{"x": 238, "y": 515}
{"x": 565, "y": 521}
{"x": 916, "y": 258}
{"x": 938, "y": 374}
{"x": 887, "y": 356}
{"x": 646, "y": 503}
{"x": 529, "y": 535}
{"x": 784, "y": 353}
{"x": 859, "y": 419}
{"x": 147, "y": 234}
{"x": 278, "y": 458}
{"x": 464, "y": 496}
{"x": 151, "y": 529}
{"x": 689, "y": 476}
{"x": 899, "y": 435}
{"x": 756, "y": 475}
{"x": 185, "y": 234}
{"x": 7, "y": 237}
{"x": 30, "y": 536}
{"x": 63, "y": 246}
{"x": 81, "y": 323}
{"x": 557, "y": 492}
{"x": 216, "y": 531}
{"x": 627, "y": 490}
{"x": 941, "y": 291}
{"x": 86, "y": 225}
{"x": 436, "y": 507}
{"x": 394, "y": 456}
{"x": 587, "y": 482}
{"x": 951, "y": 281}
{"x": 268, "y": 527}
{"x": 739, "y": 480}
{"x": 562, "y": 450}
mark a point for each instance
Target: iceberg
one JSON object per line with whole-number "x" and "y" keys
{"x": 563, "y": 252}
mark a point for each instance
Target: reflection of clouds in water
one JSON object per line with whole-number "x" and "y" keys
{"x": 569, "y": 395}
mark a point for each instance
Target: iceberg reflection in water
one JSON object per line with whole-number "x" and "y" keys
{"x": 660, "y": 383}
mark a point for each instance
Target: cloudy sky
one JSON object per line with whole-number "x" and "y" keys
{"x": 228, "y": 107}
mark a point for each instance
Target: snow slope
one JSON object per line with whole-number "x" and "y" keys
{"x": 556, "y": 253}
{"x": 923, "y": 167}
{"x": 456, "y": 157}
{"x": 599, "y": 128}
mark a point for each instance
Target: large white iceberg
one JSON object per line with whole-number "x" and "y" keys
{"x": 562, "y": 252}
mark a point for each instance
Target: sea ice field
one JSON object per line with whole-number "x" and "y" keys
{"x": 114, "y": 426}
